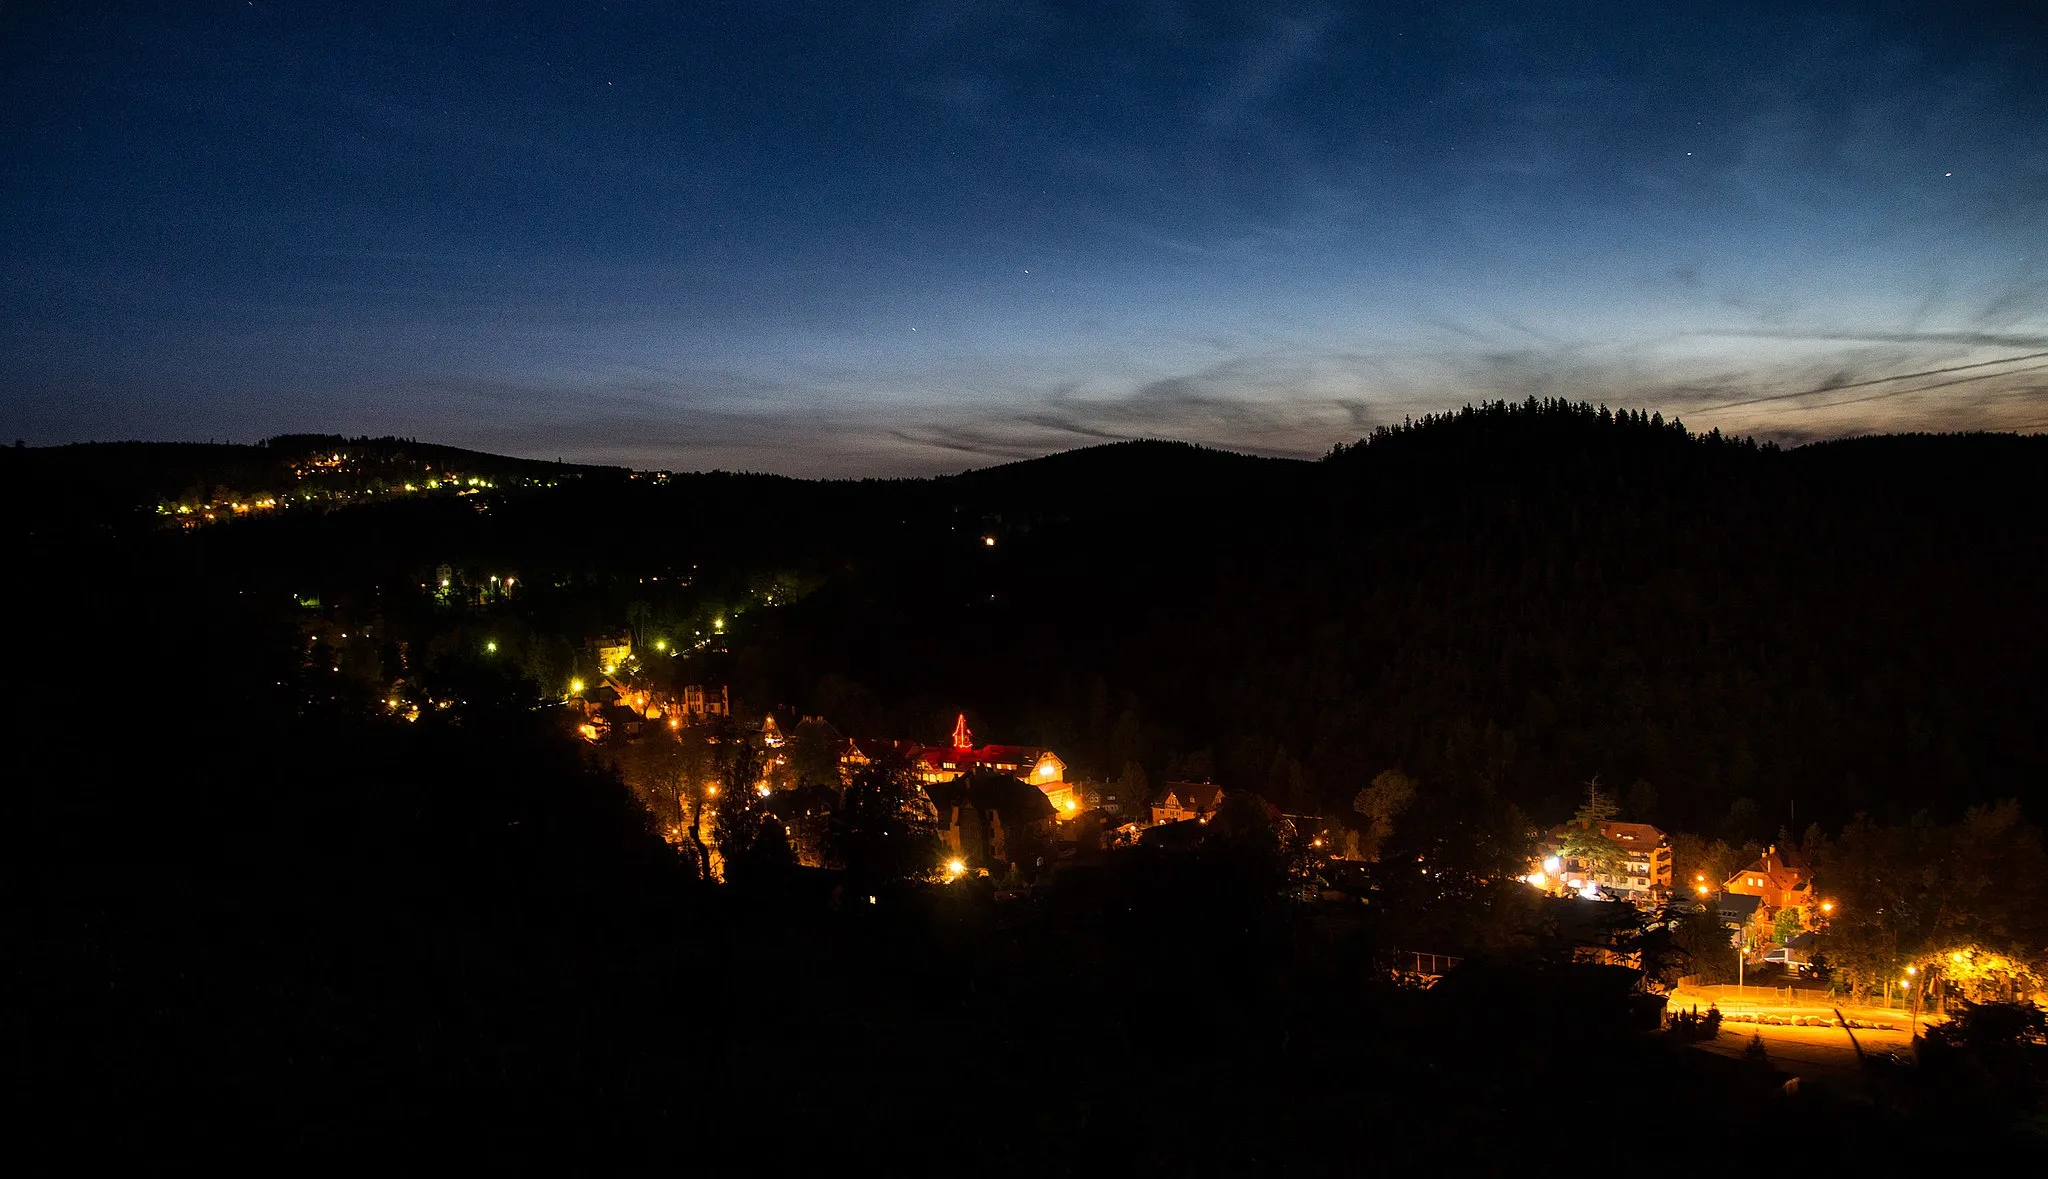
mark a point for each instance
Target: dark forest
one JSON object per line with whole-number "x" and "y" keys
{"x": 264, "y": 917}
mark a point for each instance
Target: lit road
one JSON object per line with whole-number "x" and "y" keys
{"x": 1803, "y": 1051}
{"x": 1809, "y": 1052}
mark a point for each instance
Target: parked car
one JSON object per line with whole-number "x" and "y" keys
{"x": 1789, "y": 959}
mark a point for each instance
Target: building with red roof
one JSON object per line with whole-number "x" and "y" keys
{"x": 1039, "y": 766}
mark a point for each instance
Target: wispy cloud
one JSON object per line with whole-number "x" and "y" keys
{"x": 1267, "y": 64}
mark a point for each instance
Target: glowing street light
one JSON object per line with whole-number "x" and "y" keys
{"x": 1827, "y": 906}
{"x": 661, "y": 644}
{"x": 718, "y": 624}
{"x": 1552, "y": 865}
{"x": 575, "y": 687}
{"x": 956, "y": 867}
{"x": 490, "y": 646}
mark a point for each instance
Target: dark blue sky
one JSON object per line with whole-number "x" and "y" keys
{"x": 875, "y": 239}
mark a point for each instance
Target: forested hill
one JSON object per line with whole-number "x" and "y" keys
{"x": 1512, "y": 599}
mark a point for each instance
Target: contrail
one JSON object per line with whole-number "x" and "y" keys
{"x": 2032, "y": 368}
{"x": 1932, "y": 372}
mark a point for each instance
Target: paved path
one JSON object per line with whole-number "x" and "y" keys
{"x": 1803, "y": 1051}
{"x": 1809, "y": 1052}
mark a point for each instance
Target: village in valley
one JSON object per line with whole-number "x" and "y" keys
{"x": 1011, "y": 817}
{"x": 721, "y": 745}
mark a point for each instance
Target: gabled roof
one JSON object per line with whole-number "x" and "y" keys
{"x": 979, "y": 757}
{"x": 1737, "y": 906}
{"x": 1194, "y": 796}
{"x": 1774, "y": 862}
{"x": 1632, "y": 835}
{"x": 814, "y": 727}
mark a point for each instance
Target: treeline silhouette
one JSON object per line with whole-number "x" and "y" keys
{"x": 1515, "y": 596}
{"x": 254, "y": 916}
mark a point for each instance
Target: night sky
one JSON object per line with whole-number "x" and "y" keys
{"x": 880, "y": 239}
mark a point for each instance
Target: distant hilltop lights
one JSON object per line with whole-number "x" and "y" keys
{"x": 338, "y": 478}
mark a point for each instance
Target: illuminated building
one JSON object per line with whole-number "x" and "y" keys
{"x": 700, "y": 703}
{"x": 612, "y": 652}
{"x": 1779, "y": 879}
{"x": 1641, "y": 873}
{"x": 1030, "y": 763}
{"x": 1180, "y": 801}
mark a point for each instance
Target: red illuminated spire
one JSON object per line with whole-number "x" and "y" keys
{"x": 962, "y": 739}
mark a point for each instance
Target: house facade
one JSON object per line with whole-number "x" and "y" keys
{"x": 1641, "y": 871}
{"x": 1179, "y": 801}
{"x": 1780, "y": 880}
